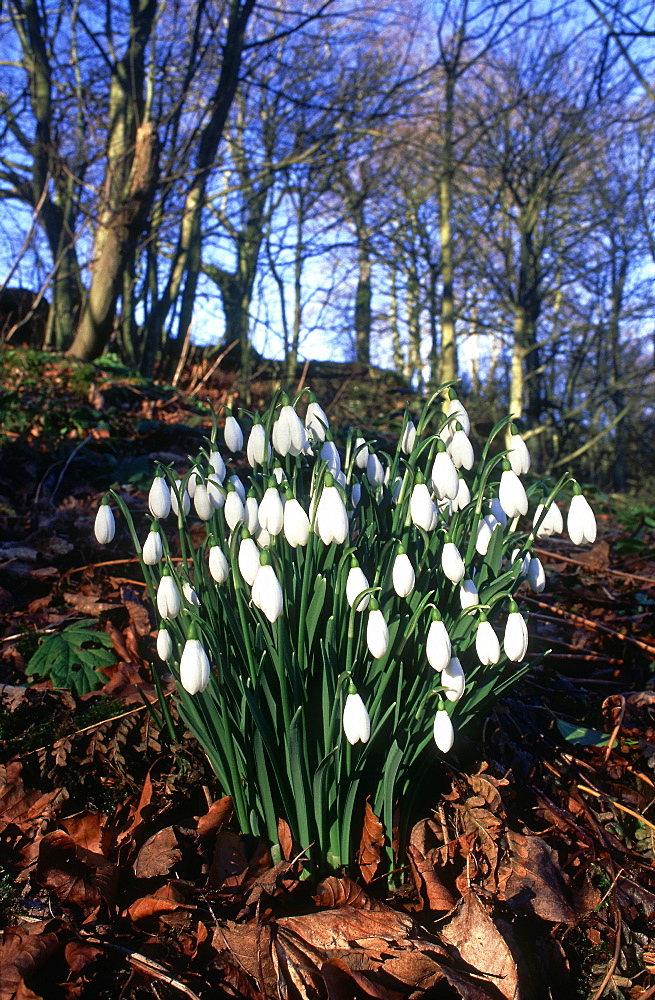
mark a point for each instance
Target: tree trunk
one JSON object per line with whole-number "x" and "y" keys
{"x": 448, "y": 367}
{"x": 363, "y": 303}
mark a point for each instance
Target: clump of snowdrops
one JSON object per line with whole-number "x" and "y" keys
{"x": 348, "y": 613}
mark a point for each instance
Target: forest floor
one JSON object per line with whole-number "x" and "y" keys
{"x": 530, "y": 869}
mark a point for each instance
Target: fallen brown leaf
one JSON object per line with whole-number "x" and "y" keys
{"x": 23, "y": 949}
{"x": 158, "y": 855}
{"x": 75, "y": 875}
{"x": 473, "y": 936}
{"x": 534, "y": 883}
{"x": 370, "y": 845}
{"x": 217, "y": 815}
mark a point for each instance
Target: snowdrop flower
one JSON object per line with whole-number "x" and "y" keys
{"x": 331, "y": 518}
{"x": 267, "y": 592}
{"x": 452, "y": 563}
{"x": 512, "y": 495}
{"x": 232, "y": 433}
{"x": 263, "y": 538}
{"x": 194, "y": 665}
{"x": 234, "y": 509}
{"x": 295, "y": 522}
{"x": 164, "y": 644}
{"x": 316, "y": 421}
{"x": 330, "y": 455}
{"x": 515, "y": 640}
{"x": 581, "y": 522}
{"x": 190, "y": 594}
{"x": 356, "y": 582}
{"x": 525, "y": 562}
{"x": 498, "y": 512}
{"x": 104, "y": 526}
{"x": 153, "y": 549}
{"x": 279, "y": 475}
{"x": 202, "y": 502}
{"x": 468, "y": 595}
{"x": 374, "y": 470}
{"x": 159, "y": 498}
{"x": 251, "y": 515}
{"x": 239, "y": 487}
{"x": 356, "y": 723}
{"x": 193, "y": 481}
{"x": 486, "y": 527}
{"x": 408, "y": 438}
{"x": 454, "y": 408}
{"x": 461, "y": 449}
{"x": 463, "y": 497}
{"x": 361, "y": 453}
{"x": 517, "y": 451}
{"x": 396, "y": 488}
{"x": 377, "y": 632}
{"x": 444, "y": 474}
{"x": 453, "y": 680}
{"x": 487, "y": 646}
{"x": 176, "y": 488}
{"x": 355, "y": 494}
{"x": 444, "y": 734}
{"x": 271, "y": 510}
{"x": 402, "y": 574}
{"x": 536, "y": 576}
{"x": 437, "y": 645}
{"x": 552, "y": 524}
{"x": 218, "y": 566}
{"x": 289, "y": 434}
{"x": 248, "y": 557}
{"x": 217, "y": 464}
{"x": 215, "y": 492}
{"x": 168, "y": 596}
{"x": 258, "y": 450}
{"x": 421, "y": 506}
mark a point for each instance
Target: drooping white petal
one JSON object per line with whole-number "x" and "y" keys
{"x": 202, "y": 503}
{"x": 452, "y": 563}
{"x": 190, "y": 594}
{"x": 361, "y": 453}
{"x": 437, "y": 646}
{"x": 487, "y": 645}
{"x": 444, "y": 476}
{"x": 271, "y": 511}
{"x": 408, "y": 438}
{"x": 468, "y": 595}
{"x": 248, "y": 559}
{"x": 444, "y": 734}
{"x": 356, "y": 582}
{"x": 215, "y": 492}
{"x": 552, "y": 524}
{"x": 515, "y": 640}
{"x": 453, "y": 680}
{"x": 234, "y": 510}
{"x": 153, "y": 549}
{"x": 257, "y": 449}
{"x": 281, "y": 435}
{"x": 330, "y": 455}
{"x": 498, "y": 512}
{"x": 159, "y": 498}
{"x": 536, "y": 576}
{"x": 316, "y": 422}
{"x": 267, "y": 593}
{"x": 168, "y": 598}
{"x": 463, "y": 497}
{"x": 461, "y": 451}
{"x": 356, "y": 723}
{"x": 377, "y": 634}
{"x": 486, "y": 528}
{"x": 296, "y": 523}
{"x": 455, "y": 408}
{"x": 186, "y": 499}
{"x": 403, "y": 575}
{"x": 518, "y": 454}
{"x": 218, "y": 465}
{"x": 374, "y": 470}
{"x": 422, "y": 509}
{"x": 164, "y": 644}
{"x": 194, "y": 667}
{"x": 251, "y": 515}
{"x": 233, "y": 434}
{"x": 581, "y": 521}
{"x": 331, "y": 517}
{"x": 512, "y": 495}
{"x": 218, "y": 565}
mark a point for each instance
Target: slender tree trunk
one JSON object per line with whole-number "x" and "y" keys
{"x": 414, "y": 320}
{"x": 398, "y": 359}
{"x": 363, "y": 302}
{"x": 448, "y": 367}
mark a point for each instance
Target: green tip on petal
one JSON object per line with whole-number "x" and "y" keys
{"x": 401, "y": 550}
{"x": 264, "y": 558}
{"x": 284, "y": 399}
{"x": 419, "y": 479}
{"x": 351, "y": 688}
{"x": 192, "y": 631}
{"x": 163, "y": 627}
{"x": 329, "y": 479}
{"x": 512, "y": 607}
{"x": 105, "y": 500}
{"x": 228, "y": 411}
{"x": 452, "y": 393}
{"x": 441, "y": 446}
{"x": 244, "y": 533}
{"x": 311, "y": 397}
{"x": 506, "y": 466}
{"x": 483, "y": 617}
{"x": 373, "y": 605}
{"x": 576, "y": 489}
{"x": 354, "y": 564}
{"x": 513, "y": 429}
{"x": 272, "y": 481}
{"x": 167, "y": 571}
{"x": 436, "y": 615}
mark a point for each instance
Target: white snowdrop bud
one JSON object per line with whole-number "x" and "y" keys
{"x": 104, "y": 526}
{"x": 248, "y": 558}
{"x": 361, "y": 453}
{"x": 194, "y": 665}
{"x": 234, "y": 509}
{"x": 374, "y": 471}
{"x": 444, "y": 734}
{"x": 487, "y": 645}
{"x": 581, "y": 522}
{"x": 263, "y": 538}
{"x": 217, "y": 464}
{"x": 232, "y": 433}
{"x": 486, "y": 527}
{"x": 517, "y": 454}
{"x": 536, "y": 576}
{"x": 279, "y": 475}
{"x": 525, "y": 561}
{"x": 444, "y": 475}
{"x": 239, "y": 487}
{"x": 468, "y": 595}
{"x": 251, "y": 515}
{"x": 271, "y": 511}
{"x": 168, "y": 597}
{"x": 455, "y": 409}
{"x": 552, "y": 524}
{"x": 515, "y": 640}
{"x": 408, "y": 438}
{"x": 330, "y": 455}
{"x": 190, "y": 594}
{"x": 218, "y": 565}
{"x": 511, "y": 493}
{"x": 153, "y": 549}
{"x": 193, "y": 480}
{"x": 377, "y": 632}
{"x": 331, "y": 518}
{"x": 437, "y": 645}
{"x": 316, "y": 421}
{"x": 356, "y": 723}
{"x": 159, "y": 498}
{"x": 461, "y": 450}
{"x": 257, "y": 449}
{"x": 356, "y": 582}
{"x": 453, "y": 680}
{"x": 281, "y": 435}
{"x": 298, "y": 442}
{"x": 402, "y": 574}
{"x": 421, "y": 506}
{"x": 186, "y": 499}
{"x": 498, "y": 512}
{"x": 296, "y": 523}
{"x": 452, "y": 563}
{"x": 267, "y": 592}
{"x": 202, "y": 503}
{"x": 164, "y": 644}
{"x": 215, "y": 492}
{"x": 355, "y": 494}
{"x": 463, "y": 497}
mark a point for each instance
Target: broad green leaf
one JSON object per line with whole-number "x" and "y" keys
{"x": 73, "y": 658}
